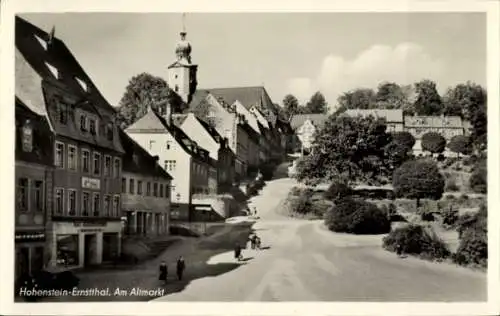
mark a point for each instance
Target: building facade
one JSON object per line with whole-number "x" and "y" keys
{"x": 305, "y": 127}
{"x": 85, "y": 210}
{"x": 145, "y": 192}
{"x": 217, "y": 146}
{"x": 33, "y": 176}
{"x": 182, "y": 158}
{"x": 393, "y": 118}
{"x": 446, "y": 126}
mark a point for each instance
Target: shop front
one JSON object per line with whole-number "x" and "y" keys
{"x": 80, "y": 244}
{"x": 29, "y": 252}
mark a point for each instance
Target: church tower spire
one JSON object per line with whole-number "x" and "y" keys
{"x": 182, "y": 73}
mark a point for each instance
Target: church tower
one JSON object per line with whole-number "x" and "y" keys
{"x": 182, "y": 73}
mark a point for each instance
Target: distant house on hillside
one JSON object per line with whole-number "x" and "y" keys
{"x": 446, "y": 126}
{"x": 305, "y": 127}
{"x": 393, "y": 118}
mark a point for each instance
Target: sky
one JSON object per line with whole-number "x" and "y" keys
{"x": 297, "y": 53}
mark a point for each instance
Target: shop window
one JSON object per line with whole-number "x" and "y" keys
{"x": 22, "y": 194}
{"x": 109, "y": 246}
{"x": 67, "y": 250}
{"x": 36, "y": 259}
{"x": 72, "y": 202}
{"x": 85, "y": 203}
{"x": 58, "y": 201}
{"x": 22, "y": 263}
{"x": 38, "y": 195}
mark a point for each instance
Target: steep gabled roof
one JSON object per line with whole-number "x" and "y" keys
{"x": 391, "y": 116}
{"x": 299, "y": 119}
{"x": 247, "y": 96}
{"x": 151, "y": 122}
{"x": 137, "y": 160}
{"x": 44, "y": 64}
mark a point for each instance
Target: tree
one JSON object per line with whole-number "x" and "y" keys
{"x": 290, "y": 105}
{"x": 405, "y": 139}
{"x": 433, "y": 142}
{"x": 396, "y": 154}
{"x": 390, "y": 96}
{"x": 418, "y": 179}
{"x": 346, "y": 149}
{"x": 145, "y": 90}
{"x": 317, "y": 104}
{"x": 460, "y": 144}
{"x": 428, "y": 100}
{"x": 357, "y": 99}
{"x": 464, "y": 99}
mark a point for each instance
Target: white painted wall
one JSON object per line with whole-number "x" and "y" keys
{"x": 179, "y": 76}
{"x": 193, "y": 128}
{"x": 182, "y": 173}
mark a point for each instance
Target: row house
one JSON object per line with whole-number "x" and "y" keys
{"x": 85, "y": 206}
{"x": 446, "y": 126}
{"x": 218, "y": 147}
{"x": 145, "y": 191}
{"x": 393, "y": 118}
{"x": 189, "y": 164}
{"x": 227, "y": 122}
{"x": 33, "y": 176}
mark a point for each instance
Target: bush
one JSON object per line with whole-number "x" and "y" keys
{"x": 478, "y": 180}
{"x": 451, "y": 185}
{"x": 433, "y": 142}
{"x": 450, "y": 217}
{"x": 473, "y": 246}
{"x": 337, "y": 190}
{"x": 353, "y": 216}
{"x": 416, "y": 240}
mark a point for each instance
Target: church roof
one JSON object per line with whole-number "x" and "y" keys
{"x": 247, "y": 96}
{"x": 298, "y": 120}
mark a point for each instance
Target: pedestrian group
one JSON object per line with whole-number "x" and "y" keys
{"x": 180, "y": 267}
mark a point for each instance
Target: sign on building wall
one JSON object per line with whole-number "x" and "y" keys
{"x": 91, "y": 183}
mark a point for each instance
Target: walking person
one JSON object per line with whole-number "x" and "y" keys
{"x": 257, "y": 242}
{"x": 163, "y": 272}
{"x": 181, "y": 265}
{"x": 399, "y": 250}
{"x": 237, "y": 253}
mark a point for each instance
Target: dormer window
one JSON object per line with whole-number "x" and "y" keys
{"x": 42, "y": 42}
{"x": 83, "y": 123}
{"x": 92, "y": 126}
{"x": 53, "y": 70}
{"x": 109, "y": 131}
{"x": 62, "y": 113}
{"x": 82, "y": 84}
{"x": 27, "y": 137}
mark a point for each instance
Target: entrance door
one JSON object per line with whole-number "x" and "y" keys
{"x": 89, "y": 249}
